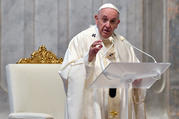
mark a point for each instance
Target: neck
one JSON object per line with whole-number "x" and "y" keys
{"x": 107, "y": 42}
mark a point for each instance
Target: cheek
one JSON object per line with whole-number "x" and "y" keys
{"x": 114, "y": 27}
{"x": 101, "y": 26}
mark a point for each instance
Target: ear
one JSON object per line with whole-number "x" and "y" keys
{"x": 119, "y": 21}
{"x": 96, "y": 18}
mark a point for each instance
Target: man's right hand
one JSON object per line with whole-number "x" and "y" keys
{"x": 94, "y": 48}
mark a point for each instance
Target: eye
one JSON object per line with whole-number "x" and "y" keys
{"x": 113, "y": 21}
{"x": 104, "y": 20}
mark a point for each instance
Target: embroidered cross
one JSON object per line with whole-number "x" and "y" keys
{"x": 111, "y": 54}
{"x": 93, "y": 35}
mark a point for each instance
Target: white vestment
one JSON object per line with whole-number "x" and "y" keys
{"x": 78, "y": 74}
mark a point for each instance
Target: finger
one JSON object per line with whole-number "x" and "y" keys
{"x": 137, "y": 82}
{"x": 96, "y": 50}
{"x": 98, "y": 41}
{"x": 96, "y": 44}
{"x": 98, "y": 47}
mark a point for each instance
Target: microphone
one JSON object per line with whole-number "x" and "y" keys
{"x": 143, "y": 52}
{"x": 158, "y": 77}
{"x": 112, "y": 91}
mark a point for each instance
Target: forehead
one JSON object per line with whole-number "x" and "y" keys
{"x": 109, "y": 12}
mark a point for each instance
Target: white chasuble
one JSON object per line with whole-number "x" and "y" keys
{"x": 77, "y": 74}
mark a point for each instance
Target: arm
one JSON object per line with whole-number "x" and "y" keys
{"x": 75, "y": 54}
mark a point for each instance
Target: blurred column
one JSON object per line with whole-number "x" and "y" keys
{"x": 173, "y": 21}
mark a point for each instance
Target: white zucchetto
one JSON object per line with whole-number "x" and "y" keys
{"x": 109, "y": 5}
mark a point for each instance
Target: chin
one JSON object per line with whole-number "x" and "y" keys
{"x": 106, "y": 36}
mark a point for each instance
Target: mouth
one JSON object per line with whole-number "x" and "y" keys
{"x": 106, "y": 31}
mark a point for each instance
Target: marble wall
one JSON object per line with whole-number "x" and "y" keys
{"x": 27, "y": 24}
{"x": 155, "y": 40}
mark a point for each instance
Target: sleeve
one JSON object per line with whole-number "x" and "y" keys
{"x": 71, "y": 56}
{"x": 75, "y": 69}
{"x": 89, "y": 66}
{"x": 75, "y": 54}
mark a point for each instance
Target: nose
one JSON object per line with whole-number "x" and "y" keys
{"x": 108, "y": 25}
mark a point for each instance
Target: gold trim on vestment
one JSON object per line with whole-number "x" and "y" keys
{"x": 114, "y": 106}
{"x": 138, "y": 100}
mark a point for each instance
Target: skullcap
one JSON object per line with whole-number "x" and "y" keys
{"x": 109, "y": 5}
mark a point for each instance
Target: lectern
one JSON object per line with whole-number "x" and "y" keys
{"x": 122, "y": 75}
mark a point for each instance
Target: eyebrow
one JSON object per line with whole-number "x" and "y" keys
{"x": 104, "y": 16}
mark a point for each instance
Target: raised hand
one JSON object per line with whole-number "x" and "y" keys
{"x": 94, "y": 48}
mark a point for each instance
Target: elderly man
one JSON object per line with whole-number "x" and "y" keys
{"x": 87, "y": 55}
